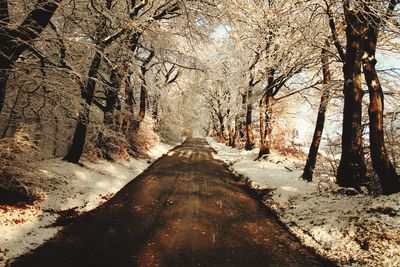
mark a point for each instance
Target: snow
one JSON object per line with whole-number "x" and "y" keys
{"x": 340, "y": 224}
{"x": 64, "y": 186}
{"x": 278, "y": 173}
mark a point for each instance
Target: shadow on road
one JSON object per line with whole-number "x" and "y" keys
{"x": 184, "y": 210}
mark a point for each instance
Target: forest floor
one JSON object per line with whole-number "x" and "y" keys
{"x": 184, "y": 210}
{"x": 66, "y": 190}
{"x": 340, "y": 224}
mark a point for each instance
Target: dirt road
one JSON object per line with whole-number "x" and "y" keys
{"x": 185, "y": 210}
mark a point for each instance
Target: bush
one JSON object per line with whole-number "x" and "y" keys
{"x": 15, "y": 153}
{"x": 141, "y": 137}
{"x": 107, "y": 144}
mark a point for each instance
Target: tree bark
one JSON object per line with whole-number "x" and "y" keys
{"x": 143, "y": 87}
{"x": 319, "y": 126}
{"x": 232, "y": 135}
{"x": 143, "y": 101}
{"x": 129, "y": 109}
{"x": 112, "y": 100}
{"x": 221, "y": 127}
{"x": 12, "y": 115}
{"x": 87, "y": 91}
{"x": 56, "y": 134}
{"x": 352, "y": 169}
{"x": 242, "y": 119}
{"x": 266, "y": 125}
{"x": 262, "y": 129}
{"x": 4, "y": 14}
{"x": 4, "y": 74}
{"x": 236, "y": 132}
{"x": 380, "y": 160}
{"x": 154, "y": 114}
{"x": 266, "y": 118}
{"x": 249, "y": 114}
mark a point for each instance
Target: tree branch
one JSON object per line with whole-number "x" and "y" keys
{"x": 4, "y": 14}
{"x": 99, "y": 105}
{"x": 336, "y": 41}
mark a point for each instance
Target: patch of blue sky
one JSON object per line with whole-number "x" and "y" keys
{"x": 388, "y": 60}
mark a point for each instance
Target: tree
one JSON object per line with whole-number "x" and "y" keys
{"x": 266, "y": 114}
{"x": 249, "y": 106}
{"x": 88, "y": 90}
{"x": 143, "y": 88}
{"x": 268, "y": 28}
{"x": 103, "y": 40}
{"x": 319, "y": 126}
{"x": 218, "y": 100}
{"x": 352, "y": 168}
{"x": 364, "y": 21}
{"x": 16, "y": 41}
{"x": 380, "y": 159}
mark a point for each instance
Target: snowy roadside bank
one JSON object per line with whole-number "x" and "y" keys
{"x": 64, "y": 187}
{"x": 340, "y": 224}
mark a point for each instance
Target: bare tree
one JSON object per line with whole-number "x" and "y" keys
{"x": 319, "y": 126}
{"x": 249, "y": 113}
{"x": 16, "y": 40}
{"x": 380, "y": 158}
{"x": 352, "y": 168}
{"x": 103, "y": 40}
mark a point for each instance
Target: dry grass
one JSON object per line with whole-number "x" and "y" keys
{"x": 290, "y": 150}
{"x": 15, "y": 153}
{"x": 108, "y": 145}
{"x": 141, "y": 137}
{"x": 136, "y": 141}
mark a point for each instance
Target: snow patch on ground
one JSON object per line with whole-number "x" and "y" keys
{"x": 342, "y": 225}
{"x": 64, "y": 186}
{"x": 279, "y": 173}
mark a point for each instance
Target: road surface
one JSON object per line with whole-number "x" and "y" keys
{"x": 184, "y": 210}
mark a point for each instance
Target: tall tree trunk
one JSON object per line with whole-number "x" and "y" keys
{"x": 249, "y": 114}
{"x": 319, "y": 126}
{"x": 129, "y": 109}
{"x": 242, "y": 119}
{"x": 4, "y": 74}
{"x": 249, "y": 109}
{"x": 143, "y": 87}
{"x": 266, "y": 115}
{"x": 112, "y": 100}
{"x": 154, "y": 114}
{"x": 230, "y": 139}
{"x": 221, "y": 127}
{"x": 12, "y": 115}
{"x": 4, "y": 13}
{"x": 87, "y": 91}
{"x": 15, "y": 41}
{"x": 143, "y": 101}
{"x": 232, "y": 135}
{"x": 262, "y": 128}
{"x": 56, "y": 133}
{"x": 352, "y": 169}
{"x": 237, "y": 130}
{"x": 380, "y": 159}
{"x": 266, "y": 125}
{"x": 109, "y": 120}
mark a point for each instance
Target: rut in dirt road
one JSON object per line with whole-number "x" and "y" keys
{"x": 184, "y": 210}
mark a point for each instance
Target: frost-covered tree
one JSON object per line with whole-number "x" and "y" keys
{"x": 279, "y": 32}
{"x": 17, "y": 36}
{"x": 364, "y": 21}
